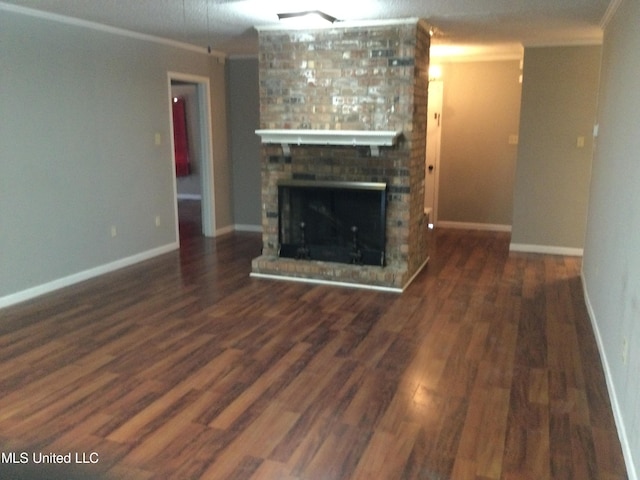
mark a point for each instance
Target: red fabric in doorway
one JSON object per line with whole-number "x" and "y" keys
{"x": 180, "y": 139}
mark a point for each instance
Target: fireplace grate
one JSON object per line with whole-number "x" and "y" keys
{"x": 341, "y": 222}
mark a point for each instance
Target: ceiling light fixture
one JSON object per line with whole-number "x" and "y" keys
{"x": 310, "y": 14}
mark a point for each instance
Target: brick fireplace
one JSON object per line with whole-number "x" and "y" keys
{"x": 325, "y": 95}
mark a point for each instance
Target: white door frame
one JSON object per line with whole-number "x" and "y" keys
{"x": 204, "y": 124}
{"x": 434, "y": 115}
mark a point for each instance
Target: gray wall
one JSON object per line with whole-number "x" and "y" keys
{"x": 481, "y": 107}
{"x": 80, "y": 112}
{"x": 244, "y": 120}
{"x": 611, "y": 265}
{"x": 559, "y": 97}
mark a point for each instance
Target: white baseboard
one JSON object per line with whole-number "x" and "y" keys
{"x": 189, "y": 196}
{"x": 417, "y": 272}
{"x": 315, "y": 281}
{"x": 238, "y": 228}
{"x": 493, "y": 227}
{"x": 364, "y": 286}
{"x": 546, "y": 249}
{"x": 615, "y": 405}
{"x": 224, "y": 230}
{"x": 248, "y": 228}
{"x": 49, "y": 287}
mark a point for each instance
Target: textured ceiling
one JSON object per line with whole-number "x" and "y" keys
{"x": 228, "y": 25}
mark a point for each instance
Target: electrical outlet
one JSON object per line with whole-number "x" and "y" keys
{"x": 625, "y": 350}
{"x": 157, "y": 220}
{"x": 114, "y": 231}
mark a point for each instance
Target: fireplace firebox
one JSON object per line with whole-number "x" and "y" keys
{"x": 332, "y": 221}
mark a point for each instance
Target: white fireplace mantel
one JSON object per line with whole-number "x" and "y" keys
{"x": 355, "y": 138}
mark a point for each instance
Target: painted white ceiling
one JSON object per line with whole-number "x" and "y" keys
{"x": 228, "y": 25}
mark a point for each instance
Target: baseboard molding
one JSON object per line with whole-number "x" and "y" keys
{"x": 189, "y": 196}
{"x": 492, "y": 227}
{"x": 54, "y": 285}
{"x": 333, "y": 283}
{"x": 248, "y": 228}
{"x": 546, "y": 249}
{"x": 54, "y": 17}
{"x": 615, "y": 405}
{"x": 413, "y": 277}
{"x": 224, "y": 230}
{"x": 30, "y": 293}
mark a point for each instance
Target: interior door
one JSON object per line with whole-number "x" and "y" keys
{"x": 434, "y": 126}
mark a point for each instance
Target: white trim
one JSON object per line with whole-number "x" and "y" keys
{"x": 435, "y": 103}
{"x": 239, "y": 228}
{"x": 225, "y": 230}
{"x": 615, "y": 404}
{"x": 364, "y": 286}
{"x": 339, "y": 24}
{"x": 248, "y": 228}
{"x": 370, "y": 138}
{"x": 189, "y": 196}
{"x": 207, "y": 176}
{"x": 546, "y": 249}
{"x": 413, "y": 277}
{"x": 594, "y": 39}
{"x": 609, "y": 13}
{"x": 492, "y": 227}
{"x": 54, "y": 17}
{"x": 243, "y": 56}
{"x": 325, "y": 282}
{"x": 54, "y": 285}
{"x": 330, "y": 137}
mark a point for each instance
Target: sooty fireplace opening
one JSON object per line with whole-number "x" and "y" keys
{"x": 332, "y": 221}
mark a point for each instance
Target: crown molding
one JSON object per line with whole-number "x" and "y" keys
{"x": 54, "y": 17}
{"x": 609, "y": 13}
{"x": 340, "y": 24}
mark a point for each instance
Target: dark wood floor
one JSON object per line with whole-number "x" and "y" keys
{"x": 183, "y": 367}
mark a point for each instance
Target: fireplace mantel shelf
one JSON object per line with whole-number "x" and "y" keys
{"x": 370, "y": 138}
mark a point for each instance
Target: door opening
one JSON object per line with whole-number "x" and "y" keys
{"x": 196, "y": 188}
{"x": 432, "y": 166}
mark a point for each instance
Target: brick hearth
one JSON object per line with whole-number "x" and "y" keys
{"x": 358, "y": 77}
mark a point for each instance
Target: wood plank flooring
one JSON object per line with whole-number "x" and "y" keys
{"x": 183, "y": 367}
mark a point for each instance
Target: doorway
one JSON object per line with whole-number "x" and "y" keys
{"x": 199, "y": 189}
{"x": 432, "y": 166}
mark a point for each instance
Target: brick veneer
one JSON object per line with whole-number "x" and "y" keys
{"x": 358, "y": 77}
